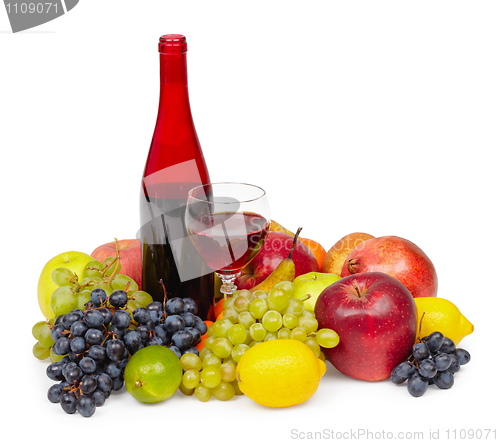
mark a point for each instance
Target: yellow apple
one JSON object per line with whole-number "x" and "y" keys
{"x": 74, "y": 261}
{"x": 312, "y": 284}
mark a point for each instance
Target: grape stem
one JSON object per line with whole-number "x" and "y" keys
{"x": 420, "y": 327}
{"x": 165, "y": 297}
{"x": 117, "y": 260}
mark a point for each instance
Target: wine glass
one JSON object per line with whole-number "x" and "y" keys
{"x": 228, "y": 224}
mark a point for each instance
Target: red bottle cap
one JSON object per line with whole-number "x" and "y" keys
{"x": 172, "y": 44}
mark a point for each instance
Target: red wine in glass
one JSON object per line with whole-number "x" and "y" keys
{"x": 227, "y": 224}
{"x": 229, "y": 241}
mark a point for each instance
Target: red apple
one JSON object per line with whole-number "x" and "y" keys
{"x": 375, "y": 317}
{"x": 274, "y": 250}
{"x": 130, "y": 257}
{"x": 397, "y": 257}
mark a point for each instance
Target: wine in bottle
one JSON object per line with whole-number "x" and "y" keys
{"x": 174, "y": 166}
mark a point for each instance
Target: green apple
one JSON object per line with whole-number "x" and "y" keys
{"x": 312, "y": 284}
{"x": 74, "y": 261}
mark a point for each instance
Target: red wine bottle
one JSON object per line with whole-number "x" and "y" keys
{"x": 174, "y": 166}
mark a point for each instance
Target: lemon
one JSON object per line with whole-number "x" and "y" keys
{"x": 443, "y": 316}
{"x": 153, "y": 374}
{"x": 279, "y": 373}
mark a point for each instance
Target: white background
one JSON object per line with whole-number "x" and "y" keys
{"x": 380, "y": 117}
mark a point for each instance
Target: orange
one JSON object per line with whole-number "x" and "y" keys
{"x": 219, "y": 307}
{"x": 318, "y": 250}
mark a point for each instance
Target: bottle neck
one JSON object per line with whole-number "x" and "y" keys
{"x": 173, "y": 73}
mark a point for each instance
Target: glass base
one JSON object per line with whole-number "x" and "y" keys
{"x": 228, "y": 287}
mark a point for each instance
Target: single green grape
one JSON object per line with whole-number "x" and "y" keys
{"x": 241, "y": 304}
{"x": 327, "y": 338}
{"x": 287, "y": 286}
{"x": 211, "y": 360}
{"x": 260, "y": 294}
{"x": 122, "y": 281}
{"x": 309, "y": 323}
{"x": 236, "y": 387}
{"x": 131, "y": 306}
{"x": 277, "y": 299}
{"x": 222, "y": 347}
{"x": 92, "y": 269}
{"x": 202, "y": 393}
{"x": 107, "y": 261}
{"x": 210, "y": 376}
{"x": 258, "y": 308}
{"x": 271, "y": 336}
{"x": 210, "y": 331}
{"x": 257, "y": 332}
{"x": 55, "y": 357}
{"x": 40, "y": 351}
{"x": 237, "y": 334}
{"x": 228, "y": 302}
{"x": 248, "y": 340}
{"x": 82, "y": 298}
{"x": 290, "y": 321}
{"x": 204, "y": 352}
{"x": 37, "y": 327}
{"x": 185, "y": 390}
{"x": 246, "y": 319}
{"x": 142, "y": 298}
{"x": 224, "y": 391}
{"x": 272, "y": 321}
{"x": 284, "y": 333}
{"x": 210, "y": 341}
{"x": 63, "y": 300}
{"x": 230, "y": 314}
{"x": 309, "y": 312}
{"x": 45, "y": 338}
{"x": 63, "y": 277}
{"x": 299, "y": 334}
{"x": 313, "y": 346}
{"x": 238, "y": 351}
{"x": 295, "y": 306}
{"x": 191, "y": 361}
{"x": 191, "y": 378}
{"x": 247, "y": 294}
{"x": 228, "y": 371}
{"x": 101, "y": 285}
{"x": 221, "y": 327}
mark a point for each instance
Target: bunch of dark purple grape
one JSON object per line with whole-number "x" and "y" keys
{"x": 434, "y": 361}
{"x": 96, "y": 345}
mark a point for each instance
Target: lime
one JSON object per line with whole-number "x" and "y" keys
{"x": 153, "y": 374}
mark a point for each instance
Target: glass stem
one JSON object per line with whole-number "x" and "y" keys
{"x": 228, "y": 287}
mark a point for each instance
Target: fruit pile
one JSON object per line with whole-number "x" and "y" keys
{"x": 290, "y": 315}
{"x": 250, "y": 318}
{"x": 100, "y": 279}
{"x": 434, "y": 361}
{"x": 95, "y": 344}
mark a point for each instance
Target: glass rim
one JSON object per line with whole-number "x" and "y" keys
{"x": 190, "y": 193}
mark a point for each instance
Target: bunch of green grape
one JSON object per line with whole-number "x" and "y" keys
{"x": 73, "y": 293}
{"x": 207, "y": 375}
{"x": 250, "y": 319}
